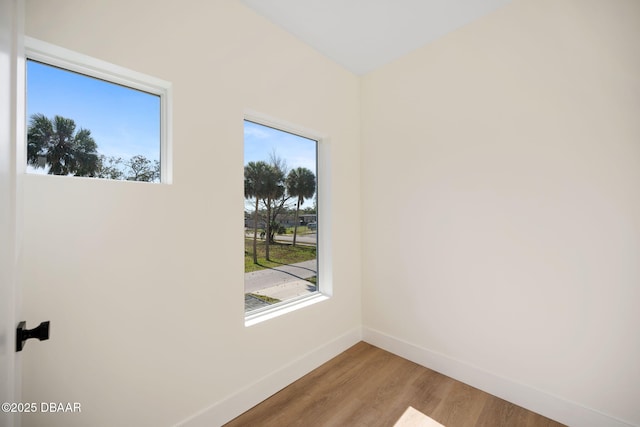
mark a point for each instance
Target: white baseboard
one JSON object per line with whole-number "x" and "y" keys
{"x": 224, "y": 411}
{"x": 556, "y": 408}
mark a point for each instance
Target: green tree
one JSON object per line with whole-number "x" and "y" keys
{"x": 255, "y": 187}
{"x": 110, "y": 167}
{"x": 56, "y": 144}
{"x": 139, "y": 168}
{"x": 301, "y": 183}
{"x": 274, "y": 189}
{"x": 278, "y": 205}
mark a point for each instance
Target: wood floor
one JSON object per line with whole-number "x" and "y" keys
{"x": 367, "y": 386}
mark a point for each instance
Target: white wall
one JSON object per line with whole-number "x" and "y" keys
{"x": 501, "y": 201}
{"x": 500, "y": 214}
{"x": 143, "y": 284}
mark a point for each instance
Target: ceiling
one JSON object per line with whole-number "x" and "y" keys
{"x": 363, "y": 35}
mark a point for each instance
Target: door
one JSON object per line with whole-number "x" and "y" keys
{"x": 9, "y": 374}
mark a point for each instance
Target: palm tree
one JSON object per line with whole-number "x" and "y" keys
{"x": 57, "y": 144}
{"x": 255, "y": 174}
{"x": 301, "y": 183}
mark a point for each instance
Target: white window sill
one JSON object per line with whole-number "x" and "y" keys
{"x": 284, "y": 308}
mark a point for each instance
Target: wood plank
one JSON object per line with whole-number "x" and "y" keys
{"x": 461, "y": 407}
{"x": 415, "y": 418}
{"x": 499, "y": 412}
{"x": 367, "y": 386}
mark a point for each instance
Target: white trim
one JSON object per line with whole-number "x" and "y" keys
{"x": 73, "y": 61}
{"x": 541, "y": 402}
{"x": 57, "y": 56}
{"x": 323, "y": 243}
{"x": 229, "y": 408}
{"x": 252, "y": 318}
{"x": 324, "y": 227}
{"x": 265, "y": 119}
{"x": 11, "y": 62}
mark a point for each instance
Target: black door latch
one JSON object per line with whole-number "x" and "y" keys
{"x": 40, "y": 332}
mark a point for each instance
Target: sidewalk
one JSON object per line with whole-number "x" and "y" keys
{"x": 289, "y": 290}
{"x": 284, "y": 282}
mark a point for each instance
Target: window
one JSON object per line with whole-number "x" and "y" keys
{"x": 88, "y": 118}
{"x": 281, "y": 222}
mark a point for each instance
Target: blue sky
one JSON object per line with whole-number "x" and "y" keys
{"x": 260, "y": 141}
{"x": 124, "y": 122}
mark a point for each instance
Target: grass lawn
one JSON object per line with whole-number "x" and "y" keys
{"x": 265, "y": 298}
{"x": 302, "y": 229}
{"x": 281, "y": 253}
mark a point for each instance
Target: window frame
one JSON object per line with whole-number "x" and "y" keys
{"x": 324, "y": 283}
{"x": 56, "y": 56}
